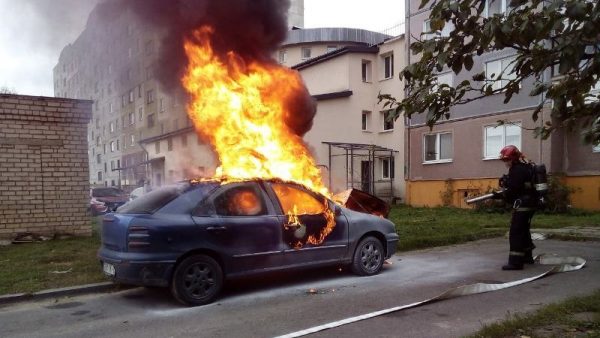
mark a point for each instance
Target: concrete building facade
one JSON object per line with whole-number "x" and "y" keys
{"x": 351, "y": 136}
{"x": 44, "y": 180}
{"x": 459, "y": 157}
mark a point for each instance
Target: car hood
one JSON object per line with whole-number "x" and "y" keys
{"x": 361, "y": 201}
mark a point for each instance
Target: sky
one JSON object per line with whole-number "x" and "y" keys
{"x": 35, "y": 31}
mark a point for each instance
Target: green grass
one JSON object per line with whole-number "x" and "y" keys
{"x": 555, "y": 320}
{"x": 31, "y": 267}
{"x": 428, "y": 227}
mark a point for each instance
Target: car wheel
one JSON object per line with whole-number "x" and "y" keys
{"x": 197, "y": 280}
{"x": 368, "y": 257}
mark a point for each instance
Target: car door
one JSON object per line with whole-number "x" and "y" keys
{"x": 303, "y": 220}
{"x": 240, "y": 223}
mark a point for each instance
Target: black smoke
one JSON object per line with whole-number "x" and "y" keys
{"x": 253, "y": 29}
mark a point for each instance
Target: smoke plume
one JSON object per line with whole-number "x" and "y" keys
{"x": 253, "y": 29}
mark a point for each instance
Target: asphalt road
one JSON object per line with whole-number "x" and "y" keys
{"x": 279, "y": 304}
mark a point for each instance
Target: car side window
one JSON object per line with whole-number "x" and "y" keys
{"x": 296, "y": 201}
{"x": 245, "y": 200}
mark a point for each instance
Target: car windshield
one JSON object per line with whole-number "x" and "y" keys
{"x": 107, "y": 192}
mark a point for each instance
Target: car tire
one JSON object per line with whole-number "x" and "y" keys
{"x": 197, "y": 280}
{"x": 368, "y": 257}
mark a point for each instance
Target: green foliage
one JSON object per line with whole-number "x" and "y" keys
{"x": 558, "y": 199}
{"x": 544, "y": 34}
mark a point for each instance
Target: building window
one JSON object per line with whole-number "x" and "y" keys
{"x": 157, "y": 147}
{"x": 98, "y": 159}
{"x": 496, "y": 137}
{"x": 161, "y": 106}
{"x": 499, "y": 72}
{"x": 131, "y": 118}
{"x": 493, "y": 7}
{"x": 117, "y": 144}
{"x": 132, "y": 140}
{"x": 443, "y": 79}
{"x": 184, "y": 140}
{"x": 110, "y": 107}
{"x": 112, "y": 165}
{"x": 140, "y": 114}
{"x": 150, "y": 120}
{"x": 150, "y": 96}
{"x": 112, "y": 127}
{"x": 387, "y": 168}
{"x": 112, "y": 146}
{"x": 149, "y": 47}
{"x": 331, "y": 48}
{"x": 282, "y": 56}
{"x": 306, "y": 53}
{"x": 388, "y": 66}
{"x": 437, "y": 147}
{"x": 429, "y": 34}
{"x": 105, "y": 167}
{"x": 131, "y": 96}
{"x": 366, "y": 71}
{"x": 99, "y": 176}
{"x": 169, "y": 144}
{"x": 366, "y": 116}
{"x": 388, "y": 120}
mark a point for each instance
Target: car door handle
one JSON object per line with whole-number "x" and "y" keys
{"x": 216, "y": 228}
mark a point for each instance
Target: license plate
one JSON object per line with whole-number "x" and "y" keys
{"x": 109, "y": 269}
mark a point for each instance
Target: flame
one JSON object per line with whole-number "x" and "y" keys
{"x": 240, "y": 108}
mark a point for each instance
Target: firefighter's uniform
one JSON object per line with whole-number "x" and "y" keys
{"x": 520, "y": 194}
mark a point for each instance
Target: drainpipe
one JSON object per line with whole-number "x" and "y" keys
{"x": 407, "y": 123}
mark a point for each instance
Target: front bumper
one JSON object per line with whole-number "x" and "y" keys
{"x": 392, "y": 244}
{"x": 138, "y": 269}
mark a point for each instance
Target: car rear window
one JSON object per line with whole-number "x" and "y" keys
{"x": 154, "y": 200}
{"x": 106, "y": 192}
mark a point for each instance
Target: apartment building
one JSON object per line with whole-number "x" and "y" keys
{"x": 352, "y": 138}
{"x": 459, "y": 157}
{"x": 139, "y": 129}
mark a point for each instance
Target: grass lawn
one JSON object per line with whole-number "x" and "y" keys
{"x": 576, "y": 317}
{"x": 59, "y": 263}
{"x": 31, "y": 267}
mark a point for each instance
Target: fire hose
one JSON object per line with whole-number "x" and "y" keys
{"x": 561, "y": 264}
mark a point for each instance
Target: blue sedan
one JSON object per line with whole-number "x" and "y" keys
{"x": 193, "y": 235}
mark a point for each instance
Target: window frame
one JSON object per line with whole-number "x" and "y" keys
{"x": 503, "y": 143}
{"x": 503, "y": 8}
{"x": 389, "y": 163}
{"x": 303, "y": 55}
{"x": 501, "y": 82}
{"x": 383, "y": 120}
{"x": 438, "y": 145}
{"x": 385, "y": 57}
{"x": 365, "y": 123}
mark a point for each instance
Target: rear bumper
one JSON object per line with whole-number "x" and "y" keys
{"x": 138, "y": 269}
{"x": 391, "y": 244}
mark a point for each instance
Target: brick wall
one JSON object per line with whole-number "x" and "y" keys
{"x": 44, "y": 179}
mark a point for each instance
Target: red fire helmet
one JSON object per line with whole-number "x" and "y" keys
{"x": 510, "y": 153}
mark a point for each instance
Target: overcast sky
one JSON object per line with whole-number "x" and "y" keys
{"x": 33, "y": 32}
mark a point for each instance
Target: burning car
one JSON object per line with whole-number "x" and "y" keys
{"x": 193, "y": 235}
{"x": 107, "y": 199}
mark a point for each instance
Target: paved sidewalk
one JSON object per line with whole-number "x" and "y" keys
{"x": 575, "y": 232}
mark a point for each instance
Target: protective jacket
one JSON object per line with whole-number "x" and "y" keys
{"x": 519, "y": 189}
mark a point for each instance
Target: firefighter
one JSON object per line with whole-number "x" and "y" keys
{"x": 519, "y": 192}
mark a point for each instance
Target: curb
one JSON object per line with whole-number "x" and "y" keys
{"x": 62, "y": 292}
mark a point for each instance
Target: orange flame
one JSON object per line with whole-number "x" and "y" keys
{"x": 240, "y": 108}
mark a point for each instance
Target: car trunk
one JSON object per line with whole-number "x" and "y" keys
{"x": 115, "y": 231}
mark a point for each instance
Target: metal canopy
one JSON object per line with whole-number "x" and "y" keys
{"x": 366, "y": 153}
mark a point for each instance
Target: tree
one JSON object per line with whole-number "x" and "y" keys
{"x": 556, "y": 42}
